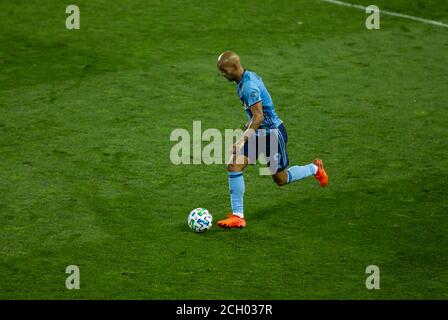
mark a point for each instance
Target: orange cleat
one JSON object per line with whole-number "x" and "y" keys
{"x": 232, "y": 221}
{"x": 321, "y": 175}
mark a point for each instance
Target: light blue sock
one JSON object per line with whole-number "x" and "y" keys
{"x": 236, "y": 187}
{"x": 300, "y": 172}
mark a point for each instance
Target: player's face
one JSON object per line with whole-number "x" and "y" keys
{"x": 228, "y": 72}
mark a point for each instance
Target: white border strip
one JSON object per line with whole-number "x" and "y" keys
{"x": 400, "y": 15}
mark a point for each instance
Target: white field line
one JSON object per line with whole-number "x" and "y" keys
{"x": 390, "y": 13}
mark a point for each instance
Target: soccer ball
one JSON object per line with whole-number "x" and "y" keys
{"x": 200, "y": 220}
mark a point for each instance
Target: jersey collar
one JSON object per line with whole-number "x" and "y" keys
{"x": 242, "y": 78}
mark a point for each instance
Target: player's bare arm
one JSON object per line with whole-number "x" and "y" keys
{"x": 253, "y": 124}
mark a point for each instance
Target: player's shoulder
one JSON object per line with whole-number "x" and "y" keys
{"x": 251, "y": 80}
{"x": 252, "y": 76}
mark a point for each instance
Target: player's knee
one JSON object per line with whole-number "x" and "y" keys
{"x": 280, "y": 182}
{"x": 280, "y": 179}
{"x": 232, "y": 167}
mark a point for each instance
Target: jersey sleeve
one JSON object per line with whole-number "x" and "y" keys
{"x": 251, "y": 94}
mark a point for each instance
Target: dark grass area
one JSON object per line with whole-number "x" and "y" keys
{"x": 86, "y": 178}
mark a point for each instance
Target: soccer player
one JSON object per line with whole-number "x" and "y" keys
{"x": 263, "y": 123}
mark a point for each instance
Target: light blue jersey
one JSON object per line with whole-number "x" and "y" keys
{"x": 251, "y": 90}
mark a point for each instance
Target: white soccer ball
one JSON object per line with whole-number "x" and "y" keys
{"x": 200, "y": 220}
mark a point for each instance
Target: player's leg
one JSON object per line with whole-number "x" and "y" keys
{"x": 296, "y": 173}
{"x": 238, "y": 162}
{"x": 284, "y": 176}
{"x": 236, "y": 183}
{"x": 279, "y": 139}
{"x": 281, "y": 177}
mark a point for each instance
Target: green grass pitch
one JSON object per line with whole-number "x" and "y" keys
{"x": 86, "y": 178}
